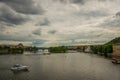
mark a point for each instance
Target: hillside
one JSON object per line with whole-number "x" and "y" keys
{"x": 114, "y": 41}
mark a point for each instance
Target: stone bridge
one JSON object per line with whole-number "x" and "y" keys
{"x": 81, "y": 48}
{"x": 43, "y": 49}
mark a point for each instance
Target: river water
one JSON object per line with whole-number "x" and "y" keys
{"x": 70, "y": 66}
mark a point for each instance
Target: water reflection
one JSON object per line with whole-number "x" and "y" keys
{"x": 72, "y": 66}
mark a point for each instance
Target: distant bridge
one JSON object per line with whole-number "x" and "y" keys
{"x": 81, "y": 48}
{"x": 43, "y": 49}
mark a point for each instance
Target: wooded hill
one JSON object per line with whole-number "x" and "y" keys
{"x": 114, "y": 41}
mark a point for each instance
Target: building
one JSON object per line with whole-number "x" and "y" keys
{"x": 116, "y": 53}
{"x": 116, "y": 49}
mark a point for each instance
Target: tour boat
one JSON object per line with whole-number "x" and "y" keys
{"x": 18, "y": 67}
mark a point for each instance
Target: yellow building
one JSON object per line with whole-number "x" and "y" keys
{"x": 116, "y": 53}
{"x": 116, "y": 49}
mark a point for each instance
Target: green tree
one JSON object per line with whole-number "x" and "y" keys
{"x": 59, "y": 49}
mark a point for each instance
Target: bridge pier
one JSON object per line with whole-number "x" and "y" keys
{"x": 43, "y": 50}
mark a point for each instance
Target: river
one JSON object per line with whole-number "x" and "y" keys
{"x": 70, "y": 66}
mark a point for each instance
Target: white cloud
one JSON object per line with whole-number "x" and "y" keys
{"x": 63, "y": 22}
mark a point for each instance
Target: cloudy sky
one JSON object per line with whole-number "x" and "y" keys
{"x": 59, "y": 22}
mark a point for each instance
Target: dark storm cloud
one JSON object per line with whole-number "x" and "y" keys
{"x": 63, "y": 1}
{"x": 37, "y": 32}
{"x": 90, "y": 14}
{"x": 2, "y": 27}
{"x": 113, "y": 22}
{"x": 24, "y": 6}
{"x": 8, "y": 16}
{"x": 78, "y": 1}
{"x": 73, "y": 1}
{"x": 118, "y": 14}
{"x": 82, "y": 2}
{"x": 52, "y": 32}
{"x": 44, "y": 22}
{"x": 14, "y": 38}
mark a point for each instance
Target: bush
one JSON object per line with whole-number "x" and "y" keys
{"x": 105, "y": 49}
{"x": 59, "y": 49}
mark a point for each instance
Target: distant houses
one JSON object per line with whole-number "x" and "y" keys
{"x": 11, "y": 49}
{"x": 81, "y": 48}
{"x": 116, "y": 53}
{"x": 116, "y": 50}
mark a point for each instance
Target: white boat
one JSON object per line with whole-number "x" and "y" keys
{"x": 18, "y": 67}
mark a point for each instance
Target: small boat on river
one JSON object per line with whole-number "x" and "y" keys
{"x": 19, "y": 67}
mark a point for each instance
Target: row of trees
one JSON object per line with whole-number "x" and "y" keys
{"x": 105, "y": 50}
{"x": 9, "y": 50}
{"x": 59, "y": 49}
{"x": 18, "y": 49}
